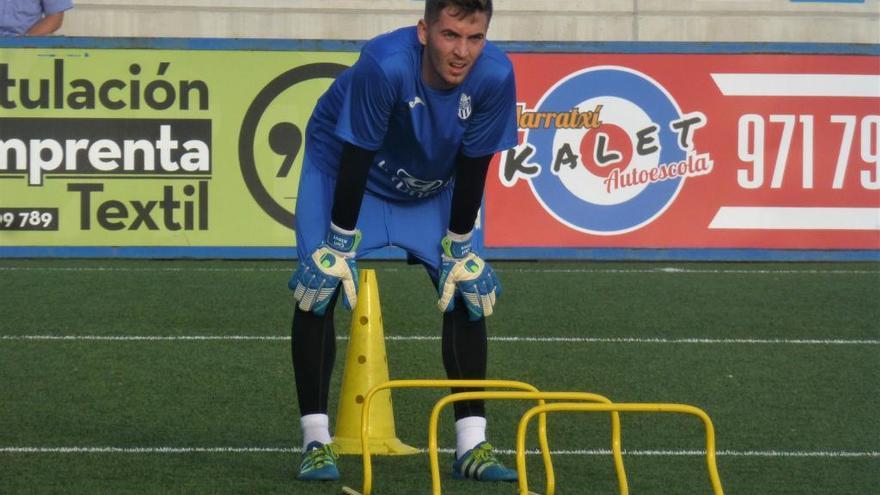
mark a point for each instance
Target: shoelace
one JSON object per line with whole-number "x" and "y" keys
{"x": 485, "y": 453}
{"x": 321, "y": 457}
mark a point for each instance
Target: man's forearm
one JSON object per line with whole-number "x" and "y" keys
{"x": 47, "y": 25}
{"x": 470, "y": 179}
{"x": 350, "y": 185}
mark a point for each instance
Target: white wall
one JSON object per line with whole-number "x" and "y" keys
{"x": 522, "y": 20}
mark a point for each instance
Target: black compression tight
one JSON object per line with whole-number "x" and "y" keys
{"x": 313, "y": 347}
{"x": 464, "y": 355}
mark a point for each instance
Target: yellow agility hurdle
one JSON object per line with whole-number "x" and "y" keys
{"x": 619, "y": 407}
{"x": 540, "y": 396}
{"x": 365, "y": 420}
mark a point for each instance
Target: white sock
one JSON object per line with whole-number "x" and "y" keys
{"x": 469, "y": 432}
{"x": 315, "y": 428}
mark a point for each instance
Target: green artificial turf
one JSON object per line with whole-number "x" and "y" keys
{"x": 783, "y": 357}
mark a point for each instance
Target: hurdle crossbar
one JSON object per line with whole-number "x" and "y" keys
{"x": 539, "y": 396}
{"x": 542, "y": 409}
{"x": 365, "y": 422}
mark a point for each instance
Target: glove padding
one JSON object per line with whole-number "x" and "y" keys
{"x": 470, "y": 275}
{"x": 317, "y": 277}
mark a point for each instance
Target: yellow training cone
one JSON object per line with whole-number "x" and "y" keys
{"x": 366, "y": 365}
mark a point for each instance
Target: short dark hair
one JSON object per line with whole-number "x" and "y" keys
{"x": 463, "y": 8}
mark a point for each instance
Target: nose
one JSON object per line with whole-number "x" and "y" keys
{"x": 461, "y": 48}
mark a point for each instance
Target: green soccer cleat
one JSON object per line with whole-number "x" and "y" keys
{"x": 318, "y": 463}
{"x": 480, "y": 464}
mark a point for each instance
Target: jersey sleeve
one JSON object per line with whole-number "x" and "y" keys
{"x": 366, "y": 108}
{"x": 493, "y": 126}
{"x": 55, "y": 6}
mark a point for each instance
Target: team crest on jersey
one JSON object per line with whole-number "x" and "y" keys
{"x": 464, "y": 106}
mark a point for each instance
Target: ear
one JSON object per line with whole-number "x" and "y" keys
{"x": 422, "y": 29}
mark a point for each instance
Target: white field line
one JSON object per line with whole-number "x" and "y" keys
{"x": 581, "y": 452}
{"x": 435, "y": 338}
{"x": 661, "y": 270}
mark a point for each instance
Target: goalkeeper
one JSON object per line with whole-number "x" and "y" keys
{"x": 397, "y": 152}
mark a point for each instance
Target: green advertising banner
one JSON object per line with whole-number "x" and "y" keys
{"x": 192, "y": 147}
{"x": 153, "y": 147}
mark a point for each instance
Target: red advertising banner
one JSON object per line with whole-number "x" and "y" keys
{"x": 691, "y": 151}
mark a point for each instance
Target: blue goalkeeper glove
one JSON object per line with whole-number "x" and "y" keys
{"x": 317, "y": 277}
{"x": 463, "y": 271}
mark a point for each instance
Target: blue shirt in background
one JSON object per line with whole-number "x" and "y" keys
{"x": 17, "y": 16}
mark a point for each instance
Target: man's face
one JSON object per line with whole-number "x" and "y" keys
{"x": 452, "y": 46}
